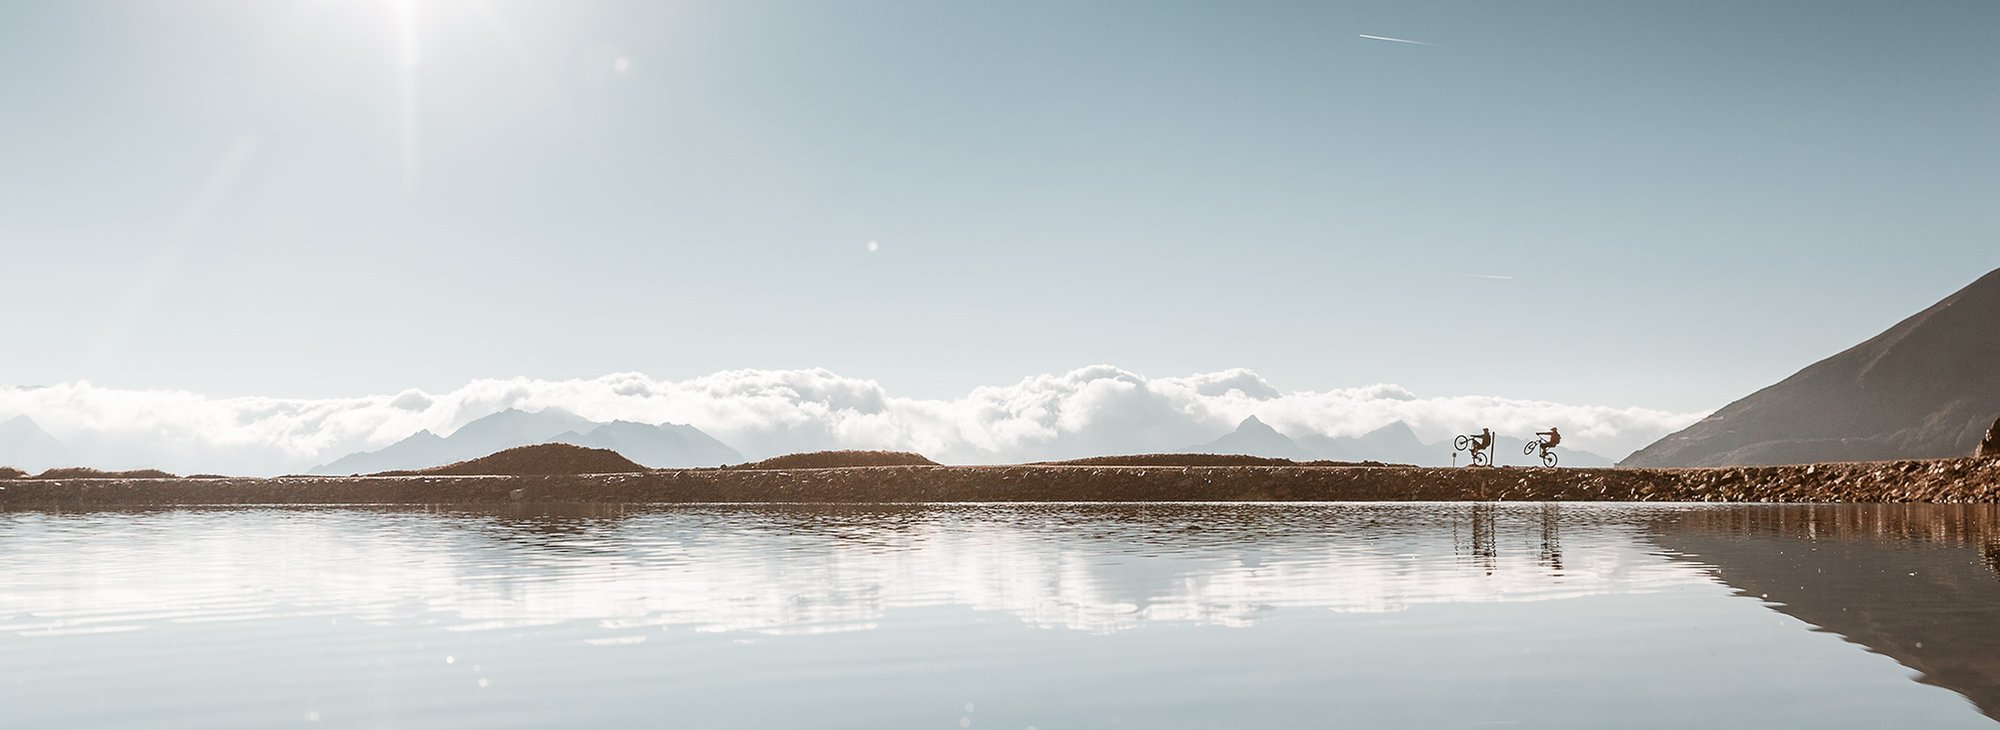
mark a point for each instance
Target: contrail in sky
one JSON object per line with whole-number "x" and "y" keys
{"x": 1394, "y": 40}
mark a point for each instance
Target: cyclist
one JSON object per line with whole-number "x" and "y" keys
{"x": 1482, "y": 441}
{"x": 1550, "y": 438}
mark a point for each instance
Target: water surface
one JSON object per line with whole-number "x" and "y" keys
{"x": 1046, "y": 616}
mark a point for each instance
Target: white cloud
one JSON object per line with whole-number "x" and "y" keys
{"x": 1093, "y": 410}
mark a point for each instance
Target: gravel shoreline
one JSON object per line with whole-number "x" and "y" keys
{"x": 1940, "y": 480}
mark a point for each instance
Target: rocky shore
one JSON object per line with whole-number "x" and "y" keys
{"x": 1940, "y": 480}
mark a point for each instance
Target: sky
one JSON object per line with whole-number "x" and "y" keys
{"x": 1654, "y": 206}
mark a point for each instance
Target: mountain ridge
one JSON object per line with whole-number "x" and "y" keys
{"x": 1253, "y": 437}
{"x": 664, "y": 445}
{"x": 23, "y": 444}
{"x": 1927, "y": 387}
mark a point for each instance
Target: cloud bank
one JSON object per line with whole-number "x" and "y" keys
{"x": 1094, "y": 410}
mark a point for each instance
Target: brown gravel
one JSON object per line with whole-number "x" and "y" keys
{"x": 1942, "y": 480}
{"x": 839, "y": 459}
{"x": 82, "y": 472}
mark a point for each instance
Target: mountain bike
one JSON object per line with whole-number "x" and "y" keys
{"x": 1548, "y": 457}
{"x": 1480, "y": 457}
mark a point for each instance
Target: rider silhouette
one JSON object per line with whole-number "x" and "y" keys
{"x": 1482, "y": 441}
{"x": 1550, "y": 438}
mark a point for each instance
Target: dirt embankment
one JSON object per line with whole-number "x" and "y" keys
{"x": 1945, "y": 480}
{"x": 84, "y": 472}
{"x": 539, "y": 459}
{"x": 839, "y": 459}
{"x": 1199, "y": 460}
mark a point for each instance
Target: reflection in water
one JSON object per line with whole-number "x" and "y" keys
{"x": 1551, "y": 556}
{"x": 1195, "y": 615}
{"x": 1479, "y": 549}
{"x": 1917, "y": 583}
{"x": 810, "y": 569}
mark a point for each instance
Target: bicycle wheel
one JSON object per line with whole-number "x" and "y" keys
{"x": 1462, "y": 443}
{"x": 1549, "y": 459}
{"x": 1529, "y": 449}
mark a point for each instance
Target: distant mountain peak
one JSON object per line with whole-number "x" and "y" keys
{"x": 24, "y": 444}
{"x": 1251, "y": 424}
{"x": 1396, "y": 436}
{"x": 1253, "y": 437}
{"x": 22, "y": 426}
{"x": 1392, "y": 428}
{"x": 517, "y": 414}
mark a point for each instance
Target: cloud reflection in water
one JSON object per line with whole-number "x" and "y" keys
{"x": 791, "y": 570}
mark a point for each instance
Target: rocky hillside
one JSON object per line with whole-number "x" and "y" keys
{"x": 1927, "y": 388}
{"x": 537, "y": 459}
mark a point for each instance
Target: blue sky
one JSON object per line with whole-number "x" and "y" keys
{"x": 317, "y": 199}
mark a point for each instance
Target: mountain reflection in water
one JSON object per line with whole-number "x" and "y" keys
{"x": 1916, "y": 582}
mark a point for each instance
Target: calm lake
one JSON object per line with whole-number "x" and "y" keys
{"x": 1018, "y": 616}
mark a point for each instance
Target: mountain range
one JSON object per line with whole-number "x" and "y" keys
{"x": 24, "y": 445}
{"x": 1395, "y": 443}
{"x": 1928, "y": 387}
{"x": 667, "y": 445}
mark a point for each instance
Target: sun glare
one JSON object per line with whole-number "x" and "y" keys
{"x": 409, "y": 56}
{"x": 404, "y": 13}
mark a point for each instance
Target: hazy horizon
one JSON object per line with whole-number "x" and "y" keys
{"x": 1083, "y": 412}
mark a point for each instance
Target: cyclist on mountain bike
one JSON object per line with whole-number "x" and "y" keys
{"x": 1480, "y": 444}
{"x": 1482, "y": 441}
{"x": 1550, "y": 438}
